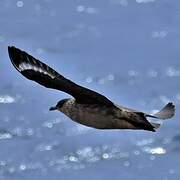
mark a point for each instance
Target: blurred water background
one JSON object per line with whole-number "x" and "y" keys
{"x": 126, "y": 49}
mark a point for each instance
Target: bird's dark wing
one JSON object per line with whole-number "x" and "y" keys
{"x": 35, "y": 70}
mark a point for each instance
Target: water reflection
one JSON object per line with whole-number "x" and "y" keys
{"x": 5, "y": 99}
{"x": 5, "y": 135}
{"x": 145, "y": 1}
{"x": 89, "y": 10}
{"x": 155, "y": 150}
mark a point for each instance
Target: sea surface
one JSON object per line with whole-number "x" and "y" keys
{"x": 128, "y": 50}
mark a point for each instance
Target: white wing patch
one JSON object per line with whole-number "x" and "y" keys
{"x": 26, "y": 66}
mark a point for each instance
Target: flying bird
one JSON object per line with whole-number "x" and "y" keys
{"x": 87, "y": 107}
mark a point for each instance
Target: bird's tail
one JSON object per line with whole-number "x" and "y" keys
{"x": 165, "y": 113}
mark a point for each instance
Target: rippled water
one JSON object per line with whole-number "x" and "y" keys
{"x": 125, "y": 49}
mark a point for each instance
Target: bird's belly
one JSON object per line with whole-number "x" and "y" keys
{"x": 95, "y": 120}
{"x": 95, "y": 117}
{"x": 101, "y": 121}
{"x": 98, "y": 117}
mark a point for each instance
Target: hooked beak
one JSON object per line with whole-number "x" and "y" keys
{"x": 53, "y": 108}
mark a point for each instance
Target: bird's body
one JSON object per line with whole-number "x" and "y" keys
{"x": 90, "y": 115}
{"x": 87, "y": 107}
{"x": 101, "y": 117}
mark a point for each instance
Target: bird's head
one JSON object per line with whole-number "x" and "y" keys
{"x": 59, "y": 105}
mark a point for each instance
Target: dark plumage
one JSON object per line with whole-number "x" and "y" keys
{"x": 88, "y": 107}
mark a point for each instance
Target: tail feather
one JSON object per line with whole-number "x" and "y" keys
{"x": 166, "y": 113}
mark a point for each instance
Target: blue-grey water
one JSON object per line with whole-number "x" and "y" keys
{"x": 126, "y": 49}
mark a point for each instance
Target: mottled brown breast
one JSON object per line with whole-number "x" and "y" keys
{"x": 93, "y": 115}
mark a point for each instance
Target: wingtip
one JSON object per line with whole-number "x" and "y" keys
{"x": 14, "y": 55}
{"x": 10, "y": 48}
{"x": 11, "y": 51}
